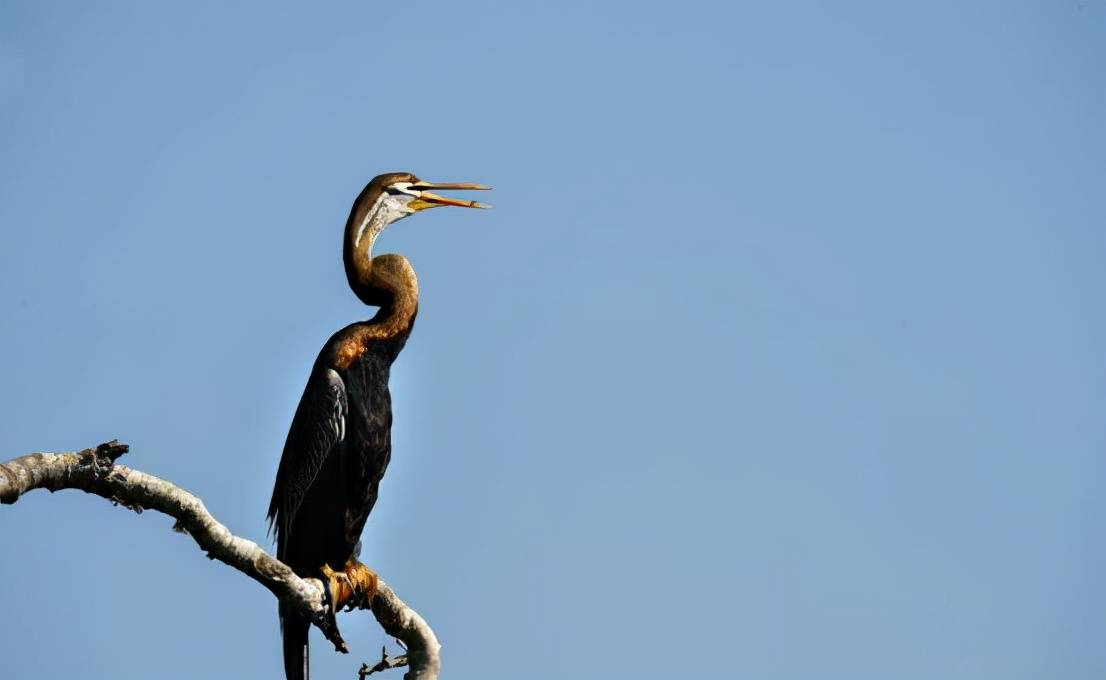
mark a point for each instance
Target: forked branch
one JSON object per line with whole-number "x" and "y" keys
{"x": 94, "y": 471}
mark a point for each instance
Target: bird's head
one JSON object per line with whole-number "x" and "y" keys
{"x": 390, "y": 197}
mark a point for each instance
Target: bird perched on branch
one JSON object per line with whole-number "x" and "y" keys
{"x": 339, "y": 443}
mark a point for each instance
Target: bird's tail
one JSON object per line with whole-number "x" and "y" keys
{"x": 294, "y": 629}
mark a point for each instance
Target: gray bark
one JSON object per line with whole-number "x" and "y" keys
{"x": 94, "y": 471}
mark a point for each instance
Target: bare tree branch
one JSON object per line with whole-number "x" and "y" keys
{"x": 94, "y": 471}
{"x": 384, "y": 664}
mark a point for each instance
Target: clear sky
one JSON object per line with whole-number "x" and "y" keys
{"x": 779, "y": 356}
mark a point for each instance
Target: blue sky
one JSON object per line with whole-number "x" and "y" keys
{"x": 779, "y": 356}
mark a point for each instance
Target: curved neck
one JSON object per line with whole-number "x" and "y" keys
{"x": 394, "y": 288}
{"x": 359, "y": 274}
{"x": 386, "y": 281}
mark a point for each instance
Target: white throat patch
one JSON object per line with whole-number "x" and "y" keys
{"x": 387, "y": 209}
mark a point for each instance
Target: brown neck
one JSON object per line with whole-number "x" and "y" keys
{"x": 390, "y": 284}
{"x": 386, "y": 281}
{"x": 393, "y": 287}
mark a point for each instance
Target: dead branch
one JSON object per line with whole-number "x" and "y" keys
{"x": 384, "y": 664}
{"x": 94, "y": 471}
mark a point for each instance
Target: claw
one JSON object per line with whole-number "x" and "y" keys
{"x": 340, "y": 588}
{"x": 365, "y": 584}
{"x": 352, "y": 588}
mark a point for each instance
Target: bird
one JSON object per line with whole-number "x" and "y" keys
{"x": 339, "y": 442}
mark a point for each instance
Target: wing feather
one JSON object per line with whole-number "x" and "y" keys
{"x": 318, "y": 426}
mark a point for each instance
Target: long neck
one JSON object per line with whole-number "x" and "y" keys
{"x": 358, "y": 258}
{"x": 386, "y": 281}
{"x": 394, "y": 288}
{"x": 371, "y": 214}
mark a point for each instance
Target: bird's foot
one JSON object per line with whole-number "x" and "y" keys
{"x": 352, "y": 588}
{"x": 339, "y": 588}
{"x": 364, "y": 582}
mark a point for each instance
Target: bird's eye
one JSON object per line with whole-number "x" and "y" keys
{"x": 392, "y": 190}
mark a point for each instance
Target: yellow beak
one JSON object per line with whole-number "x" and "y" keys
{"x": 425, "y": 199}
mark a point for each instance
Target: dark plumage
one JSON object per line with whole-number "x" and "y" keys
{"x": 337, "y": 451}
{"x": 339, "y": 443}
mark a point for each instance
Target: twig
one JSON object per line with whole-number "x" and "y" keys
{"x": 94, "y": 471}
{"x": 384, "y": 664}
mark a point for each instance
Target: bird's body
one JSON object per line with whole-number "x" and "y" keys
{"x": 349, "y": 396}
{"x": 339, "y": 443}
{"x": 338, "y": 499}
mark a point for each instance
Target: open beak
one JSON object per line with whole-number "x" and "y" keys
{"x": 426, "y": 199}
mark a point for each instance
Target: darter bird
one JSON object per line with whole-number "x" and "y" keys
{"x": 339, "y": 443}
